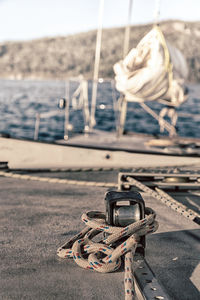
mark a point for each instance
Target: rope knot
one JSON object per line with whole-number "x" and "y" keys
{"x": 106, "y": 255}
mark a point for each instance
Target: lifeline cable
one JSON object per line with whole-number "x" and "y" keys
{"x": 105, "y": 256}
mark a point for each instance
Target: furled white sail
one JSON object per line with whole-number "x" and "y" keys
{"x": 154, "y": 70}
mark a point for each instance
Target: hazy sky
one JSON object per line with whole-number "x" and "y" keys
{"x": 30, "y": 19}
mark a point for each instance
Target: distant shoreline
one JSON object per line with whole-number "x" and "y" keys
{"x": 60, "y": 58}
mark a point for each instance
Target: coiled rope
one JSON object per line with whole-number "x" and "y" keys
{"x": 106, "y": 255}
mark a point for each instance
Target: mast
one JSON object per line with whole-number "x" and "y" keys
{"x": 127, "y": 30}
{"x": 96, "y": 65}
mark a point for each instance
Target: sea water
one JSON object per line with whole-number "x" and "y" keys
{"x": 21, "y": 100}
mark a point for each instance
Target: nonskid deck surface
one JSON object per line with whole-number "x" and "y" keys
{"x": 37, "y": 217}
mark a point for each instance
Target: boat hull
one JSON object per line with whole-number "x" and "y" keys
{"x": 23, "y": 154}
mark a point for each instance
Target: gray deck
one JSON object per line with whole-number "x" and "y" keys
{"x": 37, "y": 217}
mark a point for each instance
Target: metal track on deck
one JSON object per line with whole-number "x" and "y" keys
{"x": 161, "y": 179}
{"x": 146, "y": 284}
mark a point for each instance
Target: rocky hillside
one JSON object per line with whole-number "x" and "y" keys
{"x": 70, "y": 56}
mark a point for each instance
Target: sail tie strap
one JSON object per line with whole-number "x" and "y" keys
{"x": 105, "y": 256}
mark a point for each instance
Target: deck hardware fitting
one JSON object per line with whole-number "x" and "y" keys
{"x": 143, "y": 181}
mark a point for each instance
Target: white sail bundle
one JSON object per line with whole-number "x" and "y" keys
{"x": 154, "y": 70}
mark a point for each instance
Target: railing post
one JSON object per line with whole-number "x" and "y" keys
{"x": 37, "y": 126}
{"x": 67, "y": 98}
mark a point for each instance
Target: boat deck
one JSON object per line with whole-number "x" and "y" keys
{"x": 37, "y": 217}
{"x": 135, "y": 142}
{"x": 100, "y": 149}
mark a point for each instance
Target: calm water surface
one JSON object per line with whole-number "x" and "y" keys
{"x": 20, "y": 100}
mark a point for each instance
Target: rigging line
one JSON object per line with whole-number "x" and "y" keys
{"x": 57, "y": 180}
{"x": 96, "y": 65}
{"x": 167, "y": 126}
{"x": 162, "y": 196}
{"x": 127, "y": 30}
